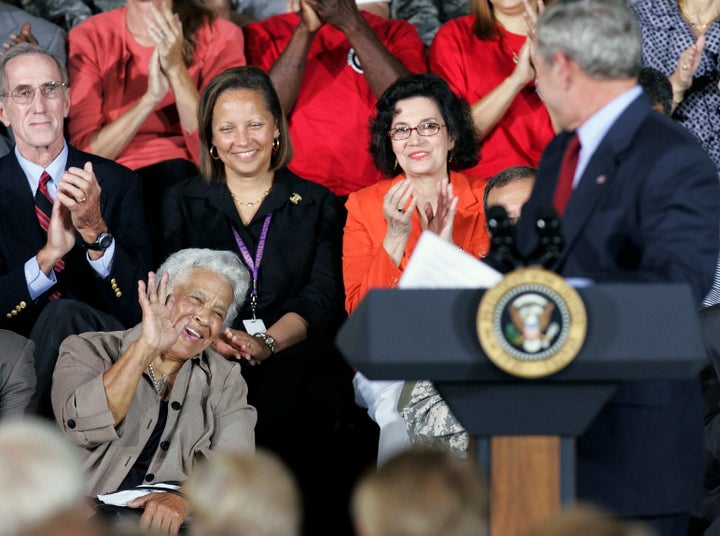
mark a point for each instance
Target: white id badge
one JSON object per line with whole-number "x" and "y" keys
{"x": 254, "y": 326}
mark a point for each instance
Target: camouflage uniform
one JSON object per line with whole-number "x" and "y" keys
{"x": 68, "y": 13}
{"x": 428, "y": 15}
{"x": 428, "y": 418}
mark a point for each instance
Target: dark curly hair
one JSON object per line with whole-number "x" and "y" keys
{"x": 455, "y": 112}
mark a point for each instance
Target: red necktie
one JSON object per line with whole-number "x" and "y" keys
{"x": 43, "y": 211}
{"x": 564, "y": 187}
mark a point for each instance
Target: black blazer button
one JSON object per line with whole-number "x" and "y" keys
{"x": 71, "y": 424}
{"x": 176, "y": 405}
{"x": 165, "y": 445}
{"x": 149, "y": 477}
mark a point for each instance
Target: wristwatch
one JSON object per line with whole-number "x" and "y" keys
{"x": 102, "y": 242}
{"x": 267, "y": 339}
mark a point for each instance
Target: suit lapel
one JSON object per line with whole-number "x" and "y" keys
{"x": 17, "y": 207}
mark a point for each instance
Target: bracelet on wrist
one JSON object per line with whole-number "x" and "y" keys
{"x": 267, "y": 339}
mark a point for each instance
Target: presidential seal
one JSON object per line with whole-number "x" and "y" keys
{"x": 531, "y": 324}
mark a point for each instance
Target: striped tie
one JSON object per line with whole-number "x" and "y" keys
{"x": 43, "y": 210}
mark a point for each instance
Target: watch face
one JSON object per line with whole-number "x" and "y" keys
{"x": 104, "y": 240}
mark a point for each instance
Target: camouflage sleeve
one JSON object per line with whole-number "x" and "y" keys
{"x": 423, "y": 14}
{"x": 428, "y": 15}
{"x": 65, "y": 13}
{"x": 428, "y": 418}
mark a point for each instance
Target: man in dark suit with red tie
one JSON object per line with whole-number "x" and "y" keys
{"x": 639, "y": 202}
{"x": 71, "y": 223}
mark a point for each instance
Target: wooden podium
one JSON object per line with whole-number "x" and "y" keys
{"x": 526, "y": 428}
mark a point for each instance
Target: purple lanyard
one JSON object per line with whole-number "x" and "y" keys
{"x": 254, "y": 265}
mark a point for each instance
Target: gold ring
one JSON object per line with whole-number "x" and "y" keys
{"x": 82, "y": 200}
{"x": 400, "y": 210}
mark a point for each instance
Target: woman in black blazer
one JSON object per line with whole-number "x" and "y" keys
{"x": 288, "y": 231}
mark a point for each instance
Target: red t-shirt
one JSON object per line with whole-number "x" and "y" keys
{"x": 329, "y": 123}
{"x": 473, "y": 68}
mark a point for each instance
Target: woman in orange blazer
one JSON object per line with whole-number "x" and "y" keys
{"x": 421, "y": 136}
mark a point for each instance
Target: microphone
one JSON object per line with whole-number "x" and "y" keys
{"x": 502, "y": 238}
{"x": 550, "y": 238}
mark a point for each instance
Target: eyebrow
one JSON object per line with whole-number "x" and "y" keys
{"x": 204, "y": 296}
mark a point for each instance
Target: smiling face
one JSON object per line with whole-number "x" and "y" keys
{"x": 37, "y": 126}
{"x": 204, "y": 297}
{"x": 421, "y": 156}
{"x": 243, "y": 130}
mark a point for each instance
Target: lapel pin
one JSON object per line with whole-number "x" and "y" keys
{"x": 295, "y": 198}
{"x": 600, "y": 180}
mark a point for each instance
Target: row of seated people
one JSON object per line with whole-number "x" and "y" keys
{"x": 419, "y": 492}
{"x": 330, "y": 63}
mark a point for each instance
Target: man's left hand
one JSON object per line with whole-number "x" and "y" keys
{"x": 79, "y": 191}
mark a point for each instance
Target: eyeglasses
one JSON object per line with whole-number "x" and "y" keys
{"x": 423, "y": 129}
{"x": 26, "y": 94}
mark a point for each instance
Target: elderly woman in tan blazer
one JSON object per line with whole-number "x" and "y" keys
{"x": 145, "y": 405}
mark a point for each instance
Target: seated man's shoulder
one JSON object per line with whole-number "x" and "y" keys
{"x": 13, "y": 344}
{"x": 105, "y": 169}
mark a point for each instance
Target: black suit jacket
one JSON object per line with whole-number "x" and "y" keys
{"x": 645, "y": 210}
{"x": 21, "y": 237}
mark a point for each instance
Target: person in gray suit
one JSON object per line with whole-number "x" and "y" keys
{"x": 17, "y": 374}
{"x": 19, "y": 26}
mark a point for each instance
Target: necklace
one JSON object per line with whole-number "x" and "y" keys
{"x": 159, "y": 384}
{"x": 694, "y": 24}
{"x": 250, "y": 203}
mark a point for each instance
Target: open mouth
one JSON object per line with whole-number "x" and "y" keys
{"x": 192, "y": 334}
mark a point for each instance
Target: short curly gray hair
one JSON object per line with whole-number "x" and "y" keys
{"x": 180, "y": 265}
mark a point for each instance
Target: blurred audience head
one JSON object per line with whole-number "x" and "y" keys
{"x": 421, "y": 492}
{"x": 244, "y": 494}
{"x": 43, "y": 483}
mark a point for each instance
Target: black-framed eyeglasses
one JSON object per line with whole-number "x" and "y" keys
{"x": 26, "y": 94}
{"x": 429, "y": 128}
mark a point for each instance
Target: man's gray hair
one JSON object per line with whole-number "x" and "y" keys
{"x": 601, "y": 36}
{"x": 21, "y": 50}
{"x": 41, "y": 474}
{"x": 180, "y": 265}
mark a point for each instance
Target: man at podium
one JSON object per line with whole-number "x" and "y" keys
{"x": 639, "y": 201}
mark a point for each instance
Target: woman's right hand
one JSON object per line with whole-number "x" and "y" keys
{"x": 158, "y": 84}
{"x": 398, "y": 207}
{"x": 524, "y": 72}
{"x": 237, "y": 344}
{"x": 159, "y": 332}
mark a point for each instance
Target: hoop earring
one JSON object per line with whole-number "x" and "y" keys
{"x": 214, "y": 153}
{"x": 276, "y": 145}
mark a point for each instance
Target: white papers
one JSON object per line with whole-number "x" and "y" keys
{"x": 436, "y": 263}
{"x": 122, "y": 498}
